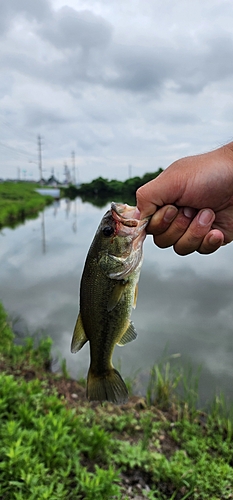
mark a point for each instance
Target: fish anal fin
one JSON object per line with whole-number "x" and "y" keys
{"x": 129, "y": 335}
{"x": 116, "y": 295}
{"x": 79, "y": 336}
{"x": 108, "y": 386}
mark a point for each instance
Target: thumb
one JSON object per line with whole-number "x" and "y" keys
{"x": 156, "y": 193}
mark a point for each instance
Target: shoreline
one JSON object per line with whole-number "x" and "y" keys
{"x": 19, "y": 201}
{"x": 165, "y": 450}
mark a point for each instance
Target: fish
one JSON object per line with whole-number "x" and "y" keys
{"x": 108, "y": 292}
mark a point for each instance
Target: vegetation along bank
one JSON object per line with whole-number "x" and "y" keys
{"x": 100, "y": 190}
{"x": 56, "y": 445}
{"x": 19, "y": 200}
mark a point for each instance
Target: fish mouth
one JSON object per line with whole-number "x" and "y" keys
{"x": 130, "y": 228}
{"x": 128, "y": 216}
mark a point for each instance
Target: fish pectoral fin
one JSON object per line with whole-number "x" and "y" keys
{"x": 116, "y": 295}
{"x": 129, "y": 335}
{"x": 79, "y": 336}
{"x": 135, "y": 296}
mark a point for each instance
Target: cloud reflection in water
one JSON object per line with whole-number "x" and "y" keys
{"x": 184, "y": 303}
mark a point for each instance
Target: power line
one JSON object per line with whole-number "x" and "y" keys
{"x": 17, "y": 129}
{"x": 18, "y": 151}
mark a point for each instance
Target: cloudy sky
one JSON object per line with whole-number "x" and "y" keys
{"x": 120, "y": 82}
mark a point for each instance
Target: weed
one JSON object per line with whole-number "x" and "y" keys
{"x": 51, "y": 451}
{"x": 64, "y": 370}
{"x": 162, "y": 384}
{"x": 221, "y": 415}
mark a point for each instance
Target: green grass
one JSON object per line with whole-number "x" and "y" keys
{"x": 18, "y": 201}
{"x": 53, "y": 447}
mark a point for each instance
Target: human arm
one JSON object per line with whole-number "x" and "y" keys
{"x": 200, "y": 191}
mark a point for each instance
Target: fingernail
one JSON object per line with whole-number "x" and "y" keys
{"x": 170, "y": 214}
{"x": 205, "y": 217}
{"x": 188, "y": 212}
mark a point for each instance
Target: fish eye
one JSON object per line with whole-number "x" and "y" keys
{"x": 108, "y": 231}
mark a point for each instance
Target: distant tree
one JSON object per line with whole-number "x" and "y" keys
{"x": 100, "y": 190}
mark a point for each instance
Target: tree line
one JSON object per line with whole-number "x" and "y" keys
{"x": 101, "y": 190}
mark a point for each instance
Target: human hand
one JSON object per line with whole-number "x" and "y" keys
{"x": 183, "y": 191}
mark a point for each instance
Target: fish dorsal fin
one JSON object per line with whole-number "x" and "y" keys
{"x": 79, "y": 336}
{"x": 129, "y": 335}
{"x": 116, "y": 295}
{"x": 135, "y": 296}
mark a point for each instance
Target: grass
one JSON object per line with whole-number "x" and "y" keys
{"x": 18, "y": 201}
{"x": 169, "y": 383}
{"x": 56, "y": 445}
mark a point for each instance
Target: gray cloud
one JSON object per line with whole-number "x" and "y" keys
{"x": 198, "y": 68}
{"x": 12, "y": 10}
{"x": 134, "y": 84}
{"x": 217, "y": 60}
{"x": 38, "y": 116}
{"x": 69, "y": 28}
{"x": 88, "y": 53}
{"x": 139, "y": 68}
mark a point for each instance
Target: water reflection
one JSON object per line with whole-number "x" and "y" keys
{"x": 184, "y": 303}
{"x": 43, "y": 232}
{"x": 74, "y": 225}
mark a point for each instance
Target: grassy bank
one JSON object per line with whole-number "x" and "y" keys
{"x": 18, "y": 201}
{"x": 56, "y": 445}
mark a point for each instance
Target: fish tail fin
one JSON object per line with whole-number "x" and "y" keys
{"x": 108, "y": 386}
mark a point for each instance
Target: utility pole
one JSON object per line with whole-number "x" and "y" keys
{"x": 40, "y": 158}
{"x": 73, "y": 163}
{"x": 67, "y": 174}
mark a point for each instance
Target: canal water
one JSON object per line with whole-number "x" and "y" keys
{"x": 184, "y": 308}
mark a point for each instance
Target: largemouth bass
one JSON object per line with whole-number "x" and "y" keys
{"x": 107, "y": 294}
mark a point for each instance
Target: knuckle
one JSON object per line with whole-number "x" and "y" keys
{"x": 182, "y": 250}
{"x": 180, "y": 224}
{"x": 158, "y": 229}
{"x": 185, "y": 246}
{"x": 161, "y": 242}
{"x": 227, "y": 239}
{"x": 157, "y": 225}
{"x": 139, "y": 193}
